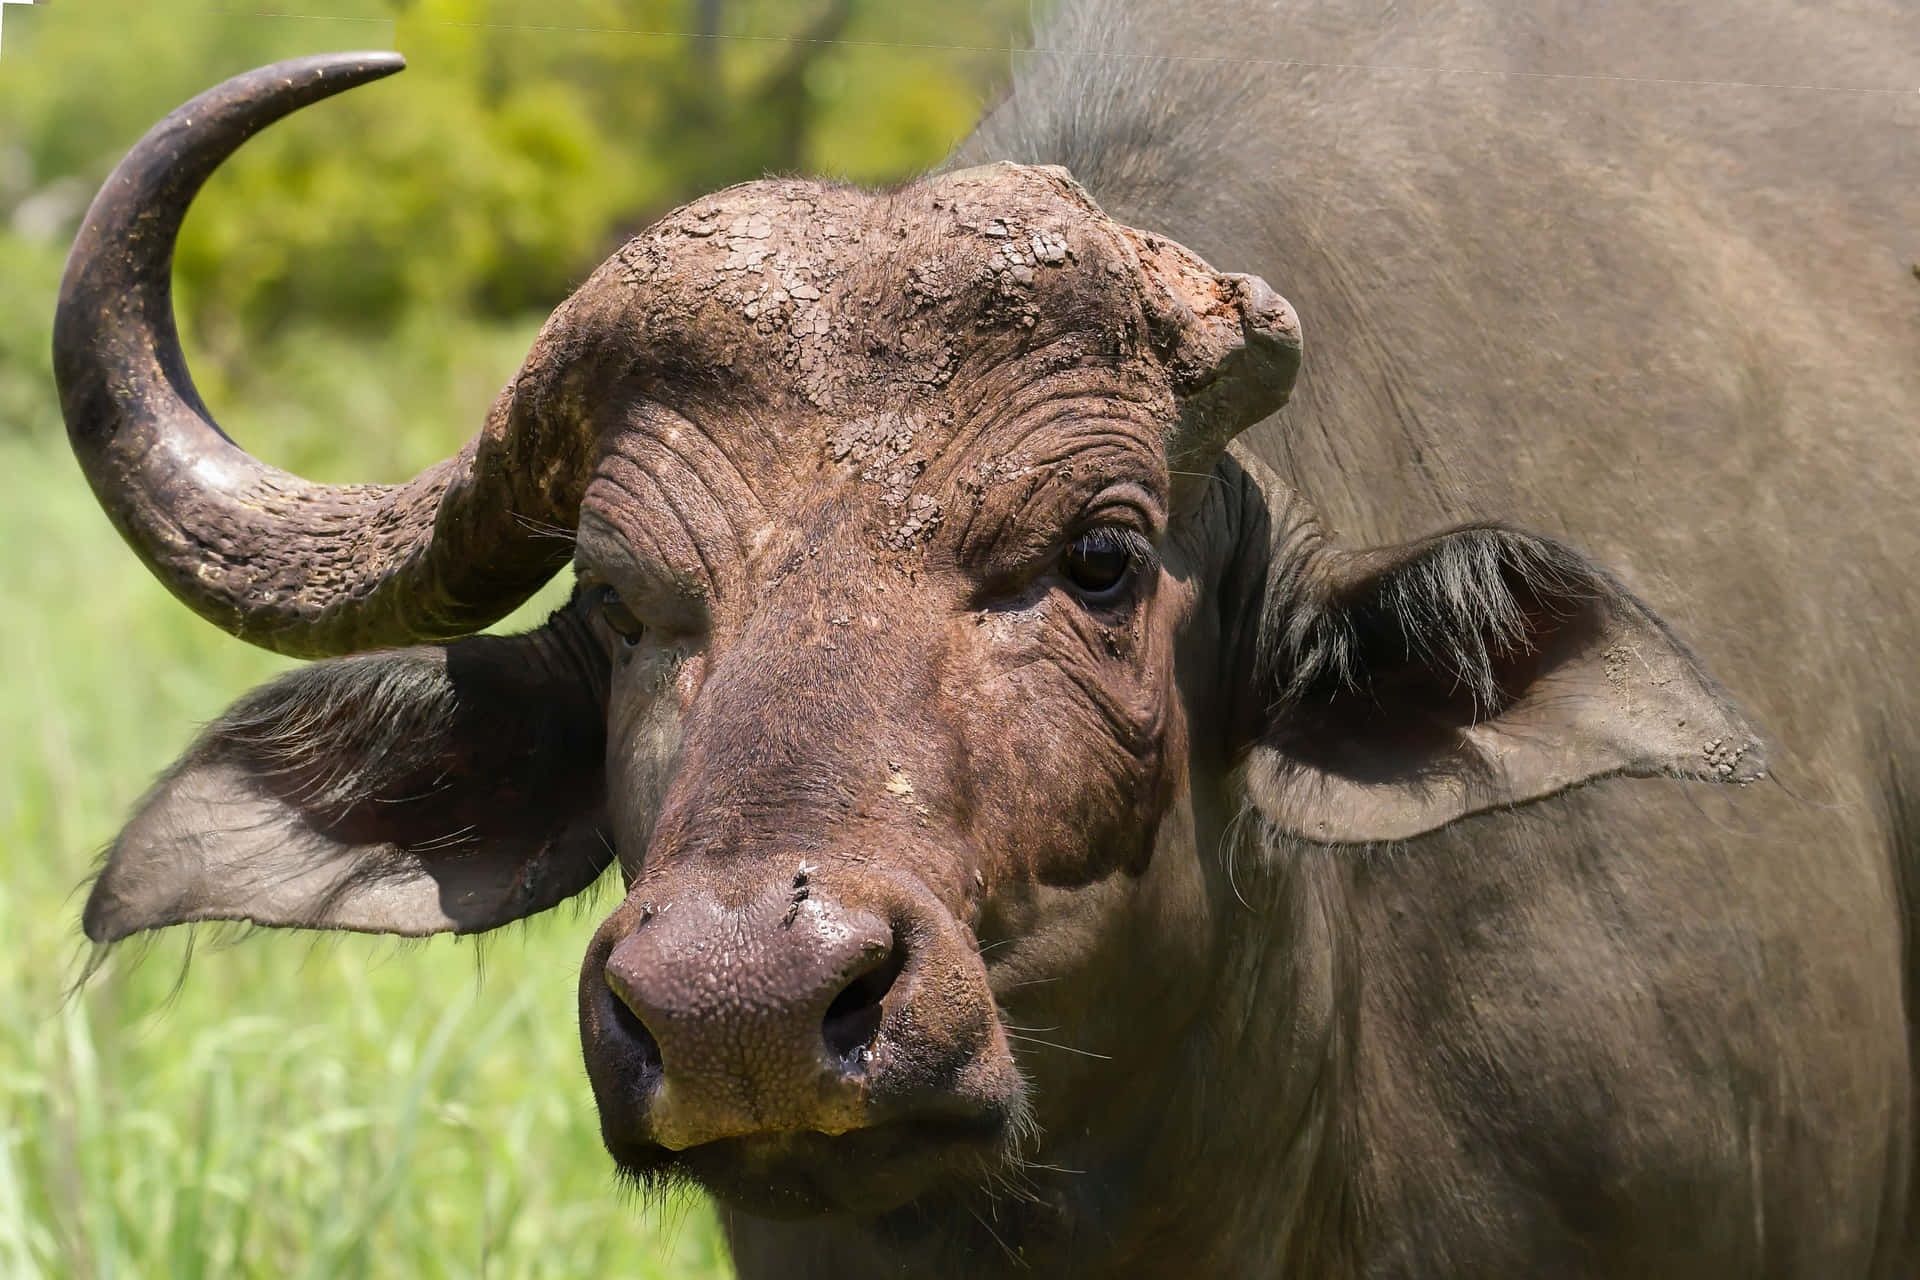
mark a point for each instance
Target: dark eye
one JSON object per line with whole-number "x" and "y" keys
{"x": 1099, "y": 562}
{"x": 620, "y": 618}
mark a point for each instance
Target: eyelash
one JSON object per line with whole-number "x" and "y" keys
{"x": 1087, "y": 577}
{"x": 1112, "y": 537}
{"x": 620, "y": 619}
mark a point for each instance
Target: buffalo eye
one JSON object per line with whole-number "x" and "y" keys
{"x": 616, "y": 614}
{"x": 1099, "y": 563}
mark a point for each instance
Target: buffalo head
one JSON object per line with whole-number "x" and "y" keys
{"x": 927, "y": 639}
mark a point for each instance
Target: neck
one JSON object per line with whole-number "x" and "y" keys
{"x": 1284, "y": 1034}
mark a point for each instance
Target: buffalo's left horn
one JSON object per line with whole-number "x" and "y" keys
{"x": 295, "y": 566}
{"x": 1231, "y": 344}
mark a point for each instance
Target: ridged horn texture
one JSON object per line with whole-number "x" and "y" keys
{"x": 1232, "y": 346}
{"x": 302, "y": 568}
{"x": 1251, "y": 353}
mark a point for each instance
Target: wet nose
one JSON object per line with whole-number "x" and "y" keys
{"x": 760, "y": 1019}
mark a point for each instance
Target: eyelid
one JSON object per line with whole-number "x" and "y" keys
{"x": 603, "y": 596}
{"x": 650, "y": 594}
{"x": 1125, "y": 506}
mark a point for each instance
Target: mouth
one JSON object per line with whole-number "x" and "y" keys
{"x": 793, "y": 1175}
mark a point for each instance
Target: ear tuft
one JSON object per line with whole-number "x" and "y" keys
{"x": 1481, "y": 668}
{"x": 1468, "y": 606}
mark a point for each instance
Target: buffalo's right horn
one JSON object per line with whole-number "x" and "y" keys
{"x": 299, "y": 567}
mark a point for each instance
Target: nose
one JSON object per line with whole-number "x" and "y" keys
{"x": 762, "y": 1019}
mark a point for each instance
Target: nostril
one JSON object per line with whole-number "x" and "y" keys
{"x": 853, "y": 1019}
{"x": 641, "y": 1040}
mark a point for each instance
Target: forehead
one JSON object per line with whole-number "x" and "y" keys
{"x": 823, "y": 304}
{"x": 903, "y": 350}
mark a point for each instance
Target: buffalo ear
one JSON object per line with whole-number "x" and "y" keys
{"x": 439, "y": 789}
{"x": 1482, "y": 668}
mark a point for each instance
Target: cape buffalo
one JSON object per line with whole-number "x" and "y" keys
{"x": 1061, "y": 837}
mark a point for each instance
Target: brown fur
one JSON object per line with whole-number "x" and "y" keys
{"x": 1199, "y": 929}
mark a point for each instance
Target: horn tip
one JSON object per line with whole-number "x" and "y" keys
{"x": 355, "y": 68}
{"x": 1265, "y": 314}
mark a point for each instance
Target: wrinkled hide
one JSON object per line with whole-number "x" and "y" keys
{"x": 1077, "y": 818}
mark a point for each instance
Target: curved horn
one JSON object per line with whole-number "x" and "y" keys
{"x": 299, "y": 567}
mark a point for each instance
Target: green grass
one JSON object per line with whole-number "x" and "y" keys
{"x": 291, "y": 1106}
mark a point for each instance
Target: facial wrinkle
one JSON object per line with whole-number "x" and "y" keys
{"x": 1001, "y": 418}
{"x": 704, "y": 492}
{"x": 1134, "y": 729}
{"x": 671, "y": 563}
{"x": 1005, "y": 535}
{"x": 699, "y": 447}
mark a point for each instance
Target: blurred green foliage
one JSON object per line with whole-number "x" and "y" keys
{"x": 521, "y": 144}
{"x": 354, "y": 287}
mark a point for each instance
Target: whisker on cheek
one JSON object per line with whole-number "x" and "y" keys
{"x": 1064, "y": 1048}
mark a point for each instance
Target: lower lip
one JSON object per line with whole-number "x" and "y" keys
{"x": 798, "y": 1175}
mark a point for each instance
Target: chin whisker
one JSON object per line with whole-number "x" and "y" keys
{"x": 1012, "y": 1255}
